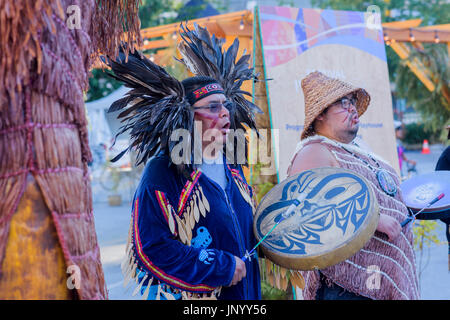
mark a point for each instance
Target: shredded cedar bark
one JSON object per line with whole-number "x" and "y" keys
{"x": 44, "y": 70}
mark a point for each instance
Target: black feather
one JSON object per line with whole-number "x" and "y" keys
{"x": 204, "y": 55}
{"x": 153, "y": 108}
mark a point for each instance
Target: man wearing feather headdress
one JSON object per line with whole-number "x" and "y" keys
{"x": 192, "y": 211}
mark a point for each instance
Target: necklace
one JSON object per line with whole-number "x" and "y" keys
{"x": 385, "y": 181}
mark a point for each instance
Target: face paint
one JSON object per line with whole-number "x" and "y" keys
{"x": 341, "y": 111}
{"x": 213, "y": 117}
{"x": 346, "y": 117}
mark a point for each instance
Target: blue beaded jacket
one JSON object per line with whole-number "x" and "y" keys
{"x": 184, "y": 234}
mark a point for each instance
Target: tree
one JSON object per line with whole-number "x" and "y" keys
{"x": 151, "y": 13}
{"x": 434, "y": 106}
{"x": 431, "y": 13}
{"x": 158, "y": 12}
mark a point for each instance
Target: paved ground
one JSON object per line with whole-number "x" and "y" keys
{"x": 112, "y": 225}
{"x": 112, "y": 228}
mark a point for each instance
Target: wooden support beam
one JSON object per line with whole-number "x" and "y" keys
{"x": 155, "y": 44}
{"x": 416, "y": 66}
{"x": 403, "y": 24}
{"x": 443, "y": 27}
{"x": 174, "y": 27}
{"x": 404, "y": 31}
{"x": 416, "y": 34}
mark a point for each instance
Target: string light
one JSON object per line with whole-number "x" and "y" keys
{"x": 241, "y": 25}
{"x": 436, "y": 37}
{"x": 146, "y": 42}
{"x": 152, "y": 57}
{"x": 174, "y": 35}
{"x": 388, "y": 41}
{"x": 411, "y": 36}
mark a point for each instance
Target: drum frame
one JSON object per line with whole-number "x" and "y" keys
{"x": 339, "y": 254}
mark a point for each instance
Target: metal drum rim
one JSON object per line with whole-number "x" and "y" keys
{"x": 435, "y": 208}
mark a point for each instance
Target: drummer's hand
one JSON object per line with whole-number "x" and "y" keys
{"x": 389, "y": 226}
{"x": 239, "y": 272}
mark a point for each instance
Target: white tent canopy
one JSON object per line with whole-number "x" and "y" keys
{"x": 103, "y": 126}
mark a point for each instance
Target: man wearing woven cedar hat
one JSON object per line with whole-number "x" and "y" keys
{"x": 332, "y": 111}
{"x": 193, "y": 210}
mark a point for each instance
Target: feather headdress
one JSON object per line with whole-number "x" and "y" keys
{"x": 153, "y": 109}
{"x": 203, "y": 55}
{"x": 157, "y": 104}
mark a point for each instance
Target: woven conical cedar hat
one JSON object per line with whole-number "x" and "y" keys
{"x": 321, "y": 91}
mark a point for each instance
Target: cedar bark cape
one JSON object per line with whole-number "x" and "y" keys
{"x": 44, "y": 150}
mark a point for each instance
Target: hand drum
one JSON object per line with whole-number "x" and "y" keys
{"x": 337, "y": 215}
{"x": 421, "y": 189}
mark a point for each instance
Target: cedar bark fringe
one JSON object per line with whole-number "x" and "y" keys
{"x": 44, "y": 70}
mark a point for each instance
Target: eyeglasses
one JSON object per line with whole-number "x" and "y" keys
{"x": 345, "y": 102}
{"x": 215, "y": 107}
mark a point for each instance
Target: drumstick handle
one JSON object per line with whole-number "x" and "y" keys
{"x": 406, "y": 221}
{"x": 439, "y": 197}
{"x": 409, "y": 219}
{"x": 284, "y": 216}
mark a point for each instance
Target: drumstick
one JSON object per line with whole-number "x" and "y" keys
{"x": 409, "y": 219}
{"x": 284, "y": 216}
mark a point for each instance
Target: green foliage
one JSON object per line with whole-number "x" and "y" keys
{"x": 270, "y": 293}
{"x": 151, "y": 13}
{"x": 415, "y": 133}
{"x": 433, "y": 106}
{"x": 289, "y": 3}
{"x": 425, "y": 233}
{"x": 100, "y": 85}
{"x": 261, "y": 187}
{"x": 158, "y": 12}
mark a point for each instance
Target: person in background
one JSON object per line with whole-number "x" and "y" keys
{"x": 399, "y": 135}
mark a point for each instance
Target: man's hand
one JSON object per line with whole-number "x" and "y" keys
{"x": 239, "y": 272}
{"x": 389, "y": 226}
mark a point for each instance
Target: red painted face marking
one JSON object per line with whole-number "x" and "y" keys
{"x": 346, "y": 117}
{"x": 214, "y": 118}
{"x": 342, "y": 111}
